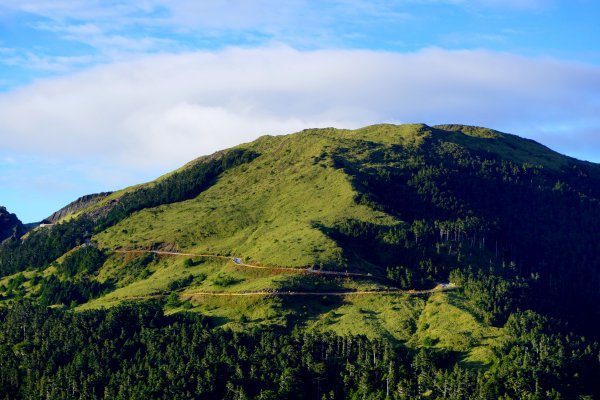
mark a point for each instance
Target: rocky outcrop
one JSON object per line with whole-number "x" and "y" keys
{"x": 77, "y": 205}
{"x": 10, "y": 226}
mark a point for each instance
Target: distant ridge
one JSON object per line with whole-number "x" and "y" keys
{"x": 75, "y": 206}
{"x": 10, "y": 226}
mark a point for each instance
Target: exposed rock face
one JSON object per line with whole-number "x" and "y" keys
{"x": 10, "y": 226}
{"x": 77, "y": 205}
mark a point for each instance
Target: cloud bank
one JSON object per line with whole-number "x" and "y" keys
{"x": 164, "y": 110}
{"x": 124, "y": 123}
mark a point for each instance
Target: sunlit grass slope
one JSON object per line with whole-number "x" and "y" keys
{"x": 264, "y": 211}
{"x": 446, "y": 323}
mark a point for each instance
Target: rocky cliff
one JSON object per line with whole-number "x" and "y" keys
{"x": 77, "y": 205}
{"x": 10, "y": 226}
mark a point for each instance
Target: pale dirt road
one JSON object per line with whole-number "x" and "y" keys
{"x": 237, "y": 261}
{"x": 310, "y": 270}
{"x": 439, "y": 288}
{"x": 412, "y": 292}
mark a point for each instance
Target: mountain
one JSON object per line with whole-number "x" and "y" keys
{"x": 412, "y": 201}
{"x": 10, "y": 226}
{"x": 464, "y": 241}
{"x": 75, "y": 206}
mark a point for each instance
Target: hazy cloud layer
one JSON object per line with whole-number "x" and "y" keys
{"x": 167, "y": 109}
{"x": 124, "y": 123}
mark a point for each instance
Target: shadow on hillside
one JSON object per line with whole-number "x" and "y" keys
{"x": 477, "y": 365}
{"x": 299, "y": 309}
{"x": 459, "y": 301}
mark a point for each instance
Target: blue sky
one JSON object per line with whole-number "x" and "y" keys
{"x": 98, "y": 95}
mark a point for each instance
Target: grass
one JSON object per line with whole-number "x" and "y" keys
{"x": 239, "y": 313}
{"x": 263, "y": 211}
{"x": 267, "y": 213}
{"x": 440, "y": 320}
{"x": 409, "y": 135}
{"x": 446, "y": 324}
{"x": 267, "y": 210}
{"x": 509, "y": 147}
{"x": 391, "y": 316}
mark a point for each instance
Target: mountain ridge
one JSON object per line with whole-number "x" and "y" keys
{"x": 543, "y": 152}
{"x": 413, "y": 203}
{"x": 75, "y": 206}
{"x": 11, "y": 228}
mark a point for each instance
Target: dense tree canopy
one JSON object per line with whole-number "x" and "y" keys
{"x": 136, "y": 352}
{"x": 526, "y": 232}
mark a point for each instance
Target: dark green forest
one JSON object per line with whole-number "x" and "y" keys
{"x": 515, "y": 235}
{"x": 134, "y": 351}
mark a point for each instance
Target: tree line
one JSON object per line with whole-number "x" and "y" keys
{"x": 476, "y": 211}
{"x": 134, "y": 351}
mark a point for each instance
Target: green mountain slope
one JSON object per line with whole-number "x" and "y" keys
{"x": 267, "y": 210}
{"x": 510, "y": 221}
{"x": 273, "y": 209}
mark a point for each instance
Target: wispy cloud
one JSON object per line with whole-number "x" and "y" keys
{"x": 43, "y": 62}
{"x": 524, "y": 5}
{"x": 519, "y": 4}
{"x": 117, "y": 30}
{"x": 463, "y": 39}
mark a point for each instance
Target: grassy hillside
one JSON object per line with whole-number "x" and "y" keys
{"x": 264, "y": 211}
{"x": 407, "y": 206}
{"x": 272, "y": 210}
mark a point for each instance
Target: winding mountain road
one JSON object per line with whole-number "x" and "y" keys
{"x": 238, "y": 261}
{"x": 438, "y": 288}
{"x": 441, "y": 287}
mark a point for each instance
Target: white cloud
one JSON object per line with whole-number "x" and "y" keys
{"x": 221, "y": 14}
{"x": 161, "y": 111}
{"x": 115, "y": 26}
{"x": 118, "y": 30}
{"x": 46, "y": 63}
{"x": 125, "y": 123}
{"x": 73, "y": 9}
